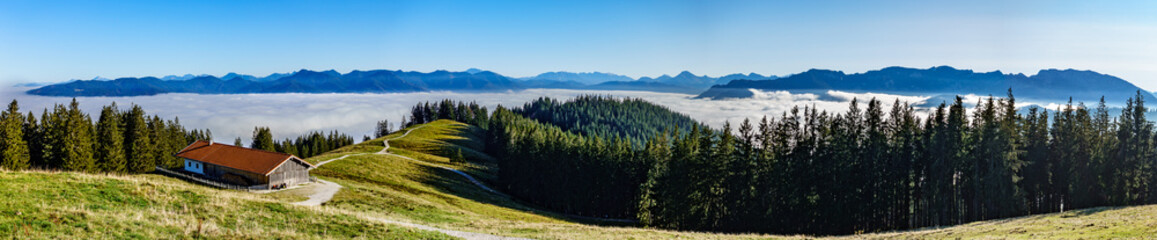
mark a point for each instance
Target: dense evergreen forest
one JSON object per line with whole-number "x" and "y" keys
{"x": 866, "y": 169}
{"x": 606, "y": 117}
{"x": 65, "y": 138}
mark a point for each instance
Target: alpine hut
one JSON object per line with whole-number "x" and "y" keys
{"x": 244, "y": 166}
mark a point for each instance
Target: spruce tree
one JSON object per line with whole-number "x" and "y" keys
{"x": 138, "y": 147}
{"x": 14, "y": 154}
{"x": 382, "y": 129}
{"x": 32, "y": 136}
{"x": 77, "y": 140}
{"x": 162, "y": 151}
{"x": 110, "y": 153}
{"x": 262, "y": 139}
{"x": 458, "y": 158}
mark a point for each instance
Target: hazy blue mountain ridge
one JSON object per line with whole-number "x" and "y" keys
{"x": 939, "y": 82}
{"x": 1049, "y": 84}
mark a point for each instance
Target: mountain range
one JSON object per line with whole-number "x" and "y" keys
{"x": 941, "y": 83}
{"x": 380, "y": 81}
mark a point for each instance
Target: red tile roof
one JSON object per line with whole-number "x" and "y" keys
{"x": 242, "y": 158}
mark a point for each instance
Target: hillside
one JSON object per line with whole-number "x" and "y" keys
{"x": 419, "y": 192}
{"x": 392, "y": 188}
{"x": 416, "y": 191}
{"x": 607, "y": 117}
{"x": 54, "y": 205}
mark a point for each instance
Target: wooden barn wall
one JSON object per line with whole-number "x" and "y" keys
{"x": 290, "y": 173}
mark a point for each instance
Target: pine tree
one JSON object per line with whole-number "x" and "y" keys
{"x": 382, "y": 129}
{"x": 162, "y": 149}
{"x": 77, "y": 140}
{"x": 138, "y": 147}
{"x": 458, "y": 158}
{"x": 33, "y": 137}
{"x": 237, "y": 142}
{"x": 262, "y": 139}
{"x": 1037, "y": 169}
{"x": 14, "y": 153}
{"x": 110, "y": 153}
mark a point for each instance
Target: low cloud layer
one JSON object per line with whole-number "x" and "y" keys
{"x": 290, "y": 115}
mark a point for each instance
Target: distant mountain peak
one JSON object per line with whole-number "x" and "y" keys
{"x": 473, "y": 70}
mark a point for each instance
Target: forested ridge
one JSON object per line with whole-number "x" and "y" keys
{"x": 607, "y": 117}
{"x": 867, "y": 169}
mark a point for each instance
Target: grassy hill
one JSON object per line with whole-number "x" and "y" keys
{"x": 417, "y": 190}
{"x": 54, "y": 205}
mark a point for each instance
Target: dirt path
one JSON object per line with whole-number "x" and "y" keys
{"x": 461, "y": 234}
{"x": 384, "y": 151}
{"x": 322, "y": 193}
{"x": 325, "y": 192}
{"x": 340, "y": 158}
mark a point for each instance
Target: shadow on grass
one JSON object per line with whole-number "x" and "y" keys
{"x": 454, "y": 184}
{"x": 1087, "y": 211}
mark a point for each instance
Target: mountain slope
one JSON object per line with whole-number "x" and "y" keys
{"x": 420, "y": 192}
{"x": 54, "y": 205}
{"x": 1051, "y": 84}
{"x": 417, "y": 192}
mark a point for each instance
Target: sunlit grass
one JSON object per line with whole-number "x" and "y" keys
{"x": 41, "y": 205}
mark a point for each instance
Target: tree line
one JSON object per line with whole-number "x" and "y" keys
{"x": 607, "y": 117}
{"x": 66, "y": 138}
{"x": 469, "y": 113}
{"x": 810, "y": 171}
{"x": 311, "y": 144}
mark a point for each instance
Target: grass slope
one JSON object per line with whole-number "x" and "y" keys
{"x": 419, "y": 192}
{"x": 1138, "y": 222}
{"x": 56, "y": 205}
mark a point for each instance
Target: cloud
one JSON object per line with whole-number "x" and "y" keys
{"x": 291, "y": 114}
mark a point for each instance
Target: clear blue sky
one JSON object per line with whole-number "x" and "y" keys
{"x": 51, "y": 41}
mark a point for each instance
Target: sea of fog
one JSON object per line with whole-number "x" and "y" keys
{"x": 230, "y": 116}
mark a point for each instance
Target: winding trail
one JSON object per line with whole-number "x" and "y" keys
{"x": 461, "y": 234}
{"x": 467, "y": 176}
{"x": 322, "y": 193}
{"x": 326, "y": 191}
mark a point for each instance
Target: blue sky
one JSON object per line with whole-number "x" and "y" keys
{"x": 52, "y": 41}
